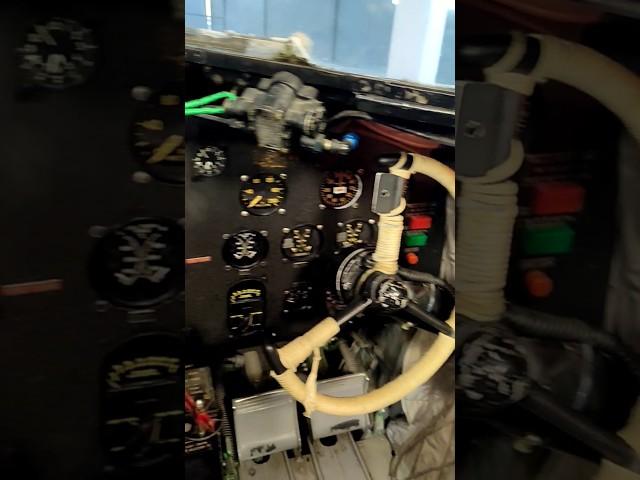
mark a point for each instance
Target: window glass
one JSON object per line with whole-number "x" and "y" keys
{"x": 409, "y": 40}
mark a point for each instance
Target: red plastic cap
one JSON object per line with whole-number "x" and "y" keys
{"x": 557, "y": 198}
{"x": 538, "y": 283}
{"x": 419, "y": 222}
{"x": 412, "y": 258}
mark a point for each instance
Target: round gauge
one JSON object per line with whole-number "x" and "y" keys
{"x": 245, "y": 249}
{"x": 157, "y": 137}
{"x": 299, "y": 301}
{"x": 354, "y": 233}
{"x": 58, "y": 53}
{"x": 301, "y": 243}
{"x": 263, "y": 194}
{"x": 351, "y": 268}
{"x": 208, "y": 161}
{"x": 246, "y": 307}
{"x": 340, "y": 189}
{"x": 142, "y": 410}
{"x": 139, "y": 264}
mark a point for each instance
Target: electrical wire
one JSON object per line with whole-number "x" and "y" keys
{"x": 201, "y": 418}
{"x": 199, "y": 102}
{"x": 189, "y": 112}
{"x": 202, "y": 106}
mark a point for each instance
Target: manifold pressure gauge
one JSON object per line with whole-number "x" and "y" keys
{"x": 263, "y": 194}
{"x": 208, "y": 161}
{"x": 245, "y": 249}
{"x": 301, "y": 243}
{"x": 57, "y": 54}
{"x": 340, "y": 190}
{"x": 139, "y": 264}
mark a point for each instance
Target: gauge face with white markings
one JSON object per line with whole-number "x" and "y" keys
{"x": 208, "y": 162}
{"x": 263, "y": 194}
{"x": 139, "y": 264}
{"x": 340, "y": 190}
{"x": 58, "y": 53}
{"x": 245, "y": 249}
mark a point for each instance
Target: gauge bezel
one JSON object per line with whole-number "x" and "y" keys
{"x": 263, "y": 211}
{"x": 315, "y": 252}
{"x": 353, "y": 201}
{"x": 220, "y": 159}
{"x": 70, "y": 27}
{"x": 368, "y": 226}
{"x": 263, "y": 250}
{"x": 171, "y": 116}
{"x": 104, "y": 288}
{"x": 252, "y": 329}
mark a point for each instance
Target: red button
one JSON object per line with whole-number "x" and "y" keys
{"x": 419, "y": 222}
{"x": 538, "y": 283}
{"x": 556, "y": 198}
{"x": 412, "y": 258}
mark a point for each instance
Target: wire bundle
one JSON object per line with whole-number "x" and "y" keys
{"x": 202, "y": 106}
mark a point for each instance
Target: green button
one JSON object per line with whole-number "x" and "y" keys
{"x": 418, "y": 239}
{"x": 547, "y": 240}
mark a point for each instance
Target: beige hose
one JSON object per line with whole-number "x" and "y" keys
{"x": 580, "y": 67}
{"x": 384, "y": 396}
{"x": 390, "y": 228}
{"x": 295, "y": 352}
{"x": 488, "y": 207}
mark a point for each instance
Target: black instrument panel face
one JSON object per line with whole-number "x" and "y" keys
{"x": 264, "y": 233}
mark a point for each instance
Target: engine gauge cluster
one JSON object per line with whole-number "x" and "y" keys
{"x": 301, "y": 243}
{"x": 271, "y": 229}
{"x": 264, "y": 193}
{"x": 245, "y": 249}
{"x": 340, "y": 189}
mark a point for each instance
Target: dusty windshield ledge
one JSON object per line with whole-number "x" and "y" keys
{"x": 288, "y": 51}
{"x": 430, "y": 106}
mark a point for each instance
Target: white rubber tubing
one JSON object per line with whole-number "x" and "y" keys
{"x": 584, "y": 69}
{"x": 295, "y": 352}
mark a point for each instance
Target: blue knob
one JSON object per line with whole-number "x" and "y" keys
{"x": 352, "y": 139}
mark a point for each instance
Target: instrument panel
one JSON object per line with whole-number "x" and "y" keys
{"x": 265, "y": 231}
